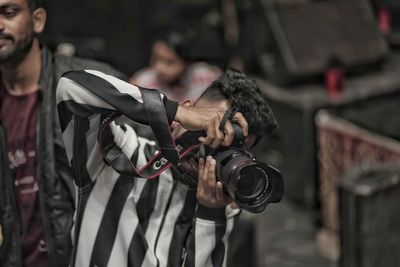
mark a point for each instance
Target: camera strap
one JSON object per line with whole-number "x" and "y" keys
{"x": 115, "y": 157}
{"x": 158, "y": 121}
{"x": 227, "y": 116}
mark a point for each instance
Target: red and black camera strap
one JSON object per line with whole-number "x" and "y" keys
{"x": 115, "y": 157}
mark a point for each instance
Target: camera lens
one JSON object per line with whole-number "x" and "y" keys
{"x": 252, "y": 183}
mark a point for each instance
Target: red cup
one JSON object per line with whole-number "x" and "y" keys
{"x": 334, "y": 78}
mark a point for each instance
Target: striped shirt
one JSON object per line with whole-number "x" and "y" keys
{"x": 121, "y": 220}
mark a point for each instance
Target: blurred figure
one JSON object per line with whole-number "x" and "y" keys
{"x": 175, "y": 68}
{"x": 36, "y": 184}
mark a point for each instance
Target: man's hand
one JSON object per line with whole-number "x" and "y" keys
{"x": 210, "y": 192}
{"x": 209, "y": 119}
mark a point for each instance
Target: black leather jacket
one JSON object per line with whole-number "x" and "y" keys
{"x": 56, "y": 189}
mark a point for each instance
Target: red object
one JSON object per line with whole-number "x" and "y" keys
{"x": 384, "y": 20}
{"x": 334, "y": 78}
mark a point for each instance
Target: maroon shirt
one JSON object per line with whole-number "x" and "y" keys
{"x": 19, "y": 117}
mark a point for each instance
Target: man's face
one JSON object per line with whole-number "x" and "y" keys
{"x": 16, "y": 29}
{"x": 168, "y": 65}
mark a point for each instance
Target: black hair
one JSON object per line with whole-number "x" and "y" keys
{"x": 244, "y": 94}
{"x": 34, "y": 4}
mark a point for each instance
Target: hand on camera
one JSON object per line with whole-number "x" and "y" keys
{"x": 209, "y": 119}
{"x": 210, "y": 192}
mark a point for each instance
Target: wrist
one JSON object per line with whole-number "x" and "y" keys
{"x": 171, "y": 108}
{"x": 211, "y": 214}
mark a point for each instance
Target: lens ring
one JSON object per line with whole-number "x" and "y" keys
{"x": 257, "y": 201}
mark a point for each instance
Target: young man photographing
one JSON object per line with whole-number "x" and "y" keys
{"x": 123, "y": 220}
{"x": 36, "y": 184}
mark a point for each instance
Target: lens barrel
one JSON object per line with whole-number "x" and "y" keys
{"x": 251, "y": 183}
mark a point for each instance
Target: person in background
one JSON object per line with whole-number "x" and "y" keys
{"x": 36, "y": 184}
{"x": 176, "y": 68}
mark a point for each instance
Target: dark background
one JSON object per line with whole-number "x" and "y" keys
{"x": 121, "y": 31}
{"x": 291, "y": 73}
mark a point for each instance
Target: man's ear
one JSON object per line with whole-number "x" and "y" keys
{"x": 187, "y": 103}
{"x": 39, "y": 20}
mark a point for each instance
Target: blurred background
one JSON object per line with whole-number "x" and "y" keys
{"x": 331, "y": 72}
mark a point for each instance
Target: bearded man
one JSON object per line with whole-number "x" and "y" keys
{"x": 36, "y": 185}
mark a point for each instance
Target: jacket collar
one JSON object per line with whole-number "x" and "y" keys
{"x": 45, "y": 68}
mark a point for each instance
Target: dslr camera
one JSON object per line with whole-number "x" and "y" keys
{"x": 251, "y": 183}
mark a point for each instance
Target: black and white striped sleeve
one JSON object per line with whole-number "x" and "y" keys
{"x": 208, "y": 242}
{"x": 83, "y": 99}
